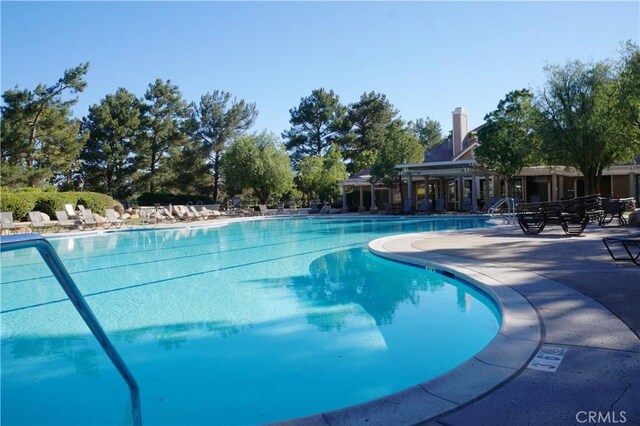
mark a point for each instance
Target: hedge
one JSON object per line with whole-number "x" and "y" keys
{"x": 21, "y": 202}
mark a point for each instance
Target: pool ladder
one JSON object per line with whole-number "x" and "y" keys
{"x": 49, "y": 255}
{"x": 510, "y": 216}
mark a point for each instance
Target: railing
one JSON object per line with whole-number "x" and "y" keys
{"x": 510, "y": 217}
{"x": 49, "y": 255}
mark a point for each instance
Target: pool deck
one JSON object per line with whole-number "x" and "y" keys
{"x": 584, "y": 303}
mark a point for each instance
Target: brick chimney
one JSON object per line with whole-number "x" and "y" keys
{"x": 460, "y": 129}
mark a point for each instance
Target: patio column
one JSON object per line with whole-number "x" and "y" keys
{"x": 426, "y": 192}
{"x": 485, "y": 193}
{"x": 373, "y": 207}
{"x": 497, "y": 191}
{"x": 560, "y": 187}
{"x": 554, "y": 187}
{"x": 344, "y": 200}
{"x": 361, "y": 207}
{"x": 632, "y": 185}
{"x": 409, "y": 192}
{"x": 474, "y": 194}
{"x": 460, "y": 192}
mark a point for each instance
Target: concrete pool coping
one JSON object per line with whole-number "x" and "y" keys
{"x": 599, "y": 374}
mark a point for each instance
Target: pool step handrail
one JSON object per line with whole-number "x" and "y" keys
{"x": 50, "y": 257}
{"x": 510, "y": 216}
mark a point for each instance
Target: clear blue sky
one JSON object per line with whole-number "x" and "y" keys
{"x": 427, "y": 57}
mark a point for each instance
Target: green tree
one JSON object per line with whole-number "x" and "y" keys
{"x": 319, "y": 175}
{"x": 580, "y": 125}
{"x": 40, "y": 140}
{"x": 187, "y": 170}
{"x": 257, "y": 162}
{"x": 629, "y": 92}
{"x": 164, "y": 114}
{"x": 400, "y": 146}
{"x": 428, "y": 132}
{"x": 215, "y": 122}
{"x": 369, "y": 119}
{"x": 317, "y": 123}
{"x": 112, "y": 126}
{"x": 507, "y": 139}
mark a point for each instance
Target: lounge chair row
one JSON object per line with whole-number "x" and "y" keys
{"x": 571, "y": 215}
{"x": 40, "y": 222}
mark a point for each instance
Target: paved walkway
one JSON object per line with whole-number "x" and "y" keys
{"x": 587, "y": 304}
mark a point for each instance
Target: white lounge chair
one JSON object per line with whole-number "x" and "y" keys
{"x": 184, "y": 214}
{"x": 39, "y": 222}
{"x": 71, "y": 213}
{"x": 89, "y": 222}
{"x": 113, "y": 219}
{"x": 64, "y": 221}
{"x": 7, "y": 224}
{"x": 326, "y": 209}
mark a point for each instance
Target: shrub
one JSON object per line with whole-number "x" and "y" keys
{"x": 95, "y": 201}
{"x": 49, "y": 202}
{"x": 24, "y": 200}
{"x": 19, "y": 204}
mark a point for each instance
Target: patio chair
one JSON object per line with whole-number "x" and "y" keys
{"x": 440, "y": 205}
{"x": 64, "y": 221}
{"x": 201, "y": 215}
{"x": 7, "y": 224}
{"x": 208, "y": 213}
{"x": 628, "y": 249}
{"x": 88, "y": 221}
{"x": 423, "y": 206}
{"x": 39, "y": 222}
{"x": 280, "y": 209}
{"x": 293, "y": 209}
{"x": 184, "y": 214}
{"x": 147, "y": 216}
{"x": 71, "y": 213}
{"x": 263, "y": 209}
{"x": 113, "y": 219}
{"x": 326, "y": 209}
{"x": 613, "y": 207}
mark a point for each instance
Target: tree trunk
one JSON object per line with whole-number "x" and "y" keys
{"x": 216, "y": 176}
{"x": 401, "y": 193}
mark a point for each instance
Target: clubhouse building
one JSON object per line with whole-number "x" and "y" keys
{"x": 450, "y": 179}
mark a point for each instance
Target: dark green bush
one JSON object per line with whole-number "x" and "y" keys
{"x": 95, "y": 201}
{"x": 20, "y": 204}
{"x": 24, "y": 200}
{"x": 49, "y": 202}
{"x": 148, "y": 199}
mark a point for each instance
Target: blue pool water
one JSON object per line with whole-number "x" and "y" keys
{"x": 248, "y": 323}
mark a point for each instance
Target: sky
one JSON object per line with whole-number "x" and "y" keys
{"x": 427, "y": 57}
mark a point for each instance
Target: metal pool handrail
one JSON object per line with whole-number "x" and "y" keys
{"x": 49, "y": 255}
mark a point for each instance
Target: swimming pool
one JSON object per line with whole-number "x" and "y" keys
{"x": 252, "y": 322}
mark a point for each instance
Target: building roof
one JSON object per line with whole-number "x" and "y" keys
{"x": 440, "y": 152}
